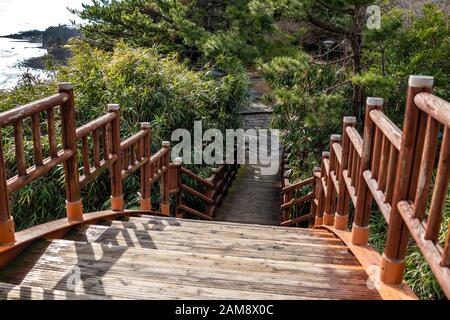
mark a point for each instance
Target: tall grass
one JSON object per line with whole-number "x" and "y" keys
{"x": 149, "y": 87}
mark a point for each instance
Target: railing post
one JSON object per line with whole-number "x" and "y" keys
{"x": 316, "y": 190}
{"x": 146, "y": 203}
{"x": 341, "y": 218}
{"x": 393, "y": 261}
{"x": 164, "y": 182}
{"x": 177, "y": 164}
{"x": 117, "y": 202}
{"x": 7, "y": 234}
{"x": 74, "y": 205}
{"x": 360, "y": 229}
{"x": 328, "y": 215}
{"x": 322, "y": 196}
{"x": 287, "y": 211}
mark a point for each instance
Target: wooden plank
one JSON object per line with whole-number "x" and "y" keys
{"x": 371, "y": 261}
{"x": 211, "y": 244}
{"x": 106, "y": 271}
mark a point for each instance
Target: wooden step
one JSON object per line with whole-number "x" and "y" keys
{"x": 112, "y": 271}
{"x": 156, "y": 223}
{"x": 229, "y": 233}
{"x": 214, "y": 244}
{"x": 217, "y": 224}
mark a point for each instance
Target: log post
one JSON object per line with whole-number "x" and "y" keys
{"x": 286, "y": 211}
{"x": 316, "y": 190}
{"x": 360, "y": 229}
{"x": 177, "y": 164}
{"x": 328, "y": 215}
{"x": 74, "y": 205}
{"x": 146, "y": 203}
{"x": 7, "y": 234}
{"x": 341, "y": 218}
{"x": 393, "y": 260}
{"x": 321, "y": 176}
{"x": 117, "y": 202}
{"x": 164, "y": 182}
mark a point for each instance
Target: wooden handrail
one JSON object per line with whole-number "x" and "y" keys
{"x": 436, "y": 107}
{"x": 196, "y": 193}
{"x": 94, "y": 125}
{"x": 21, "y": 112}
{"x": 389, "y": 129}
{"x": 355, "y": 139}
{"x": 196, "y": 177}
{"x": 394, "y": 168}
{"x": 298, "y": 185}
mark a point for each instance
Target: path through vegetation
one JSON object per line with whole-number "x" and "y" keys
{"x": 254, "y": 198}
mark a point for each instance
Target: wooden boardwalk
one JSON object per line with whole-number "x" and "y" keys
{"x": 254, "y": 197}
{"x": 165, "y": 258}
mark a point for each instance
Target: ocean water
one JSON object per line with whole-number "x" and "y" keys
{"x": 12, "y": 52}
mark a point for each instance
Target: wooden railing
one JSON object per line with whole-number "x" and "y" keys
{"x": 215, "y": 187}
{"x": 294, "y": 196}
{"x": 395, "y": 168}
{"x": 100, "y": 139}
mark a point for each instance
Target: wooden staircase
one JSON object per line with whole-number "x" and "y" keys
{"x": 137, "y": 254}
{"x": 151, "y": 257}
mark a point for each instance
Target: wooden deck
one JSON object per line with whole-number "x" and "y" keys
{"x": 165, "y": 258}
{"x": 254, "y": 198}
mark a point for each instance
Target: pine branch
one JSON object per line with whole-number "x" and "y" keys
{"x": 335, "y": 29}
{"x": 347, "y": 10}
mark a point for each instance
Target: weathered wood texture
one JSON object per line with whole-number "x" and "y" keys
{"x": 166, "y": 258}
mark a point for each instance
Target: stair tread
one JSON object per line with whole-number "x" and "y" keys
{"x": 211, "y": 244}
{"x": 113, "y": 271}
{"x": 219, "y": 225}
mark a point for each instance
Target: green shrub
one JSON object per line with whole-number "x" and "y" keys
{"x": 310, "y": 101}
{"x": 149, "y": 87}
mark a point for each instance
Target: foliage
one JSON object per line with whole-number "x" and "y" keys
{"x": 149, "y": 87}
{"x": 306, "y": 109}
{"x": 312, "y": 96}
{"x": 235, "y": 28}
{"x": 405, "y": 45}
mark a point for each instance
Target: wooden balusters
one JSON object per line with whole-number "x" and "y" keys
{"x": 164, "y": 183}
{"x": 51, "y": 131}
{"x": 360, "y": 229}
{"x": 393, "y": 262}
{"x": 85, "y": 155}
{"x": 7, "y": 235}
{"x": 20, "y": 151}
{"x": 341, "y": 218}
{"x": 117, "y": 202}
{"x": 36, "y": 133}
{"x": 446, "y": 254}
{"x": 440, "y": 189}
{"x": 96, "y": 148}
{"x": 328, "y": 215}
{"x": 287, "y": 196}
{"x": 73, "y": 195}
{"x": 106, "y": 142}
{"x": 427, "y": 167}
{"x": 177, "y": 165}
{"x": 318, "y": 196}
{"x": 146, "y": 203}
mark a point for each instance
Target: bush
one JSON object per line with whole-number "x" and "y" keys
{"x": 310, "y": 103}
{"x": 149, "y": 87}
